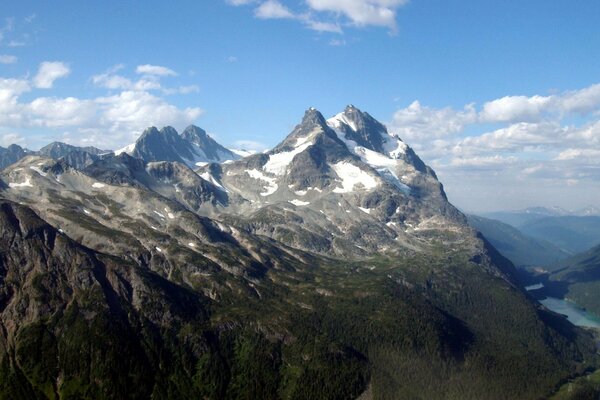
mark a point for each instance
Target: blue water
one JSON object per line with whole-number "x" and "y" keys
{"x": 534, "y": 287}
{"x": 572, "y": 311}
{"x": 575, "y": 314}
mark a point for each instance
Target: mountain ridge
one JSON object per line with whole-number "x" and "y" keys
{"x": 322, "y": 260}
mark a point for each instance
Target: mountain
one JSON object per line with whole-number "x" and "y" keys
{"x": 332, "y": 266}
{"x": 578, "y": 278}
{"x": 193, "y": 147}
{"x": 11, "y": 154}
{"x": 349, "y": 198}
{"x": 78, "y": 157}
{"x": 522, "y": 250}
{"x": 570, "y": 233}
{"x": 589, "y": 210}
{"x": 57, "y": 150}
{"x": 518, "y": 218}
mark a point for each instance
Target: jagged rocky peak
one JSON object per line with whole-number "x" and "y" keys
{"x": 313, "y": 124}
{"x": 195, "y": 134}
{"x": 361, "y": 127}
{"x": 364, "y": 135}
{"x": 206, "y": 145}
{"x": 11, "y": 154}
{"x": 193, "y": 147}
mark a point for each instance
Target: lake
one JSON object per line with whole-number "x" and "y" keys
{"x": 575, "y": 314}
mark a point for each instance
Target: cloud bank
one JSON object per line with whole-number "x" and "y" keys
{"x": 509, "y": 145}
{"x": 108, "y": 121}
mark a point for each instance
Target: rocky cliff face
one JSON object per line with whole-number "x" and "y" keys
{"x": 321, "y": 190}
{"x": 11, "y": 154}
{"x": 193, "y": 147}
{"x": 328, "y": 264}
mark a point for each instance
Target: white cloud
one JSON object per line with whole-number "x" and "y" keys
{"x": 182, "y": 90}
{"x": 54, "y": 112}
{"x": 319, "y": 26}
{"x": 515, "y": 108}
{"x": 157, "y": 70}
{"x": 522, "y": 136}
{"x": 10, "y": 138}
{"x": 111, "y": 80}
{"x": 513, "y": 151}
{"x": 589, "y": 155}
{"x": 362, "y": 12}
{"x": 7, "y": 59}
{"x": 581, "y": 101}
{"x": 239, "y": 2}
{"x": 49, "y": 72}
{"x": 108, "y": 121}
{"x": 478, "y": 162}
{"x": 250, "y": 145}
{"x": 132, "y": 111}
{"x": 330, "y": 15}
{"x": 273, "y": 9}
{"x": 422, "y": 123}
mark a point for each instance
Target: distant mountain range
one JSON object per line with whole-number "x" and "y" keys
{"x": 523, "y": 250}
{"x": 193, "y": 147}
{"x": 572, "y": 232}
{"x": 332, "y": 266}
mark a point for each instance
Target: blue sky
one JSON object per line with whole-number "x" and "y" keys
{"x": 501, "y": 98}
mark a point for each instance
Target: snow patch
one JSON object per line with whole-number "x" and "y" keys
{"x": 39, "y": 171}
{"x": 365, "y": 210}
{"x": 86, "y": 211}
{"x": 278, "y": 162}
{"x": 300, "y": 192}
{"x": 24, "y": 184}
{"x": 297, "y": 202}
{"x": 351, "y": 176}
{"x": 127, "y": 149}
{"x": 384, "y": 163}
{"x": 272, "y": 185}
{"x": 191, "y": 244}
{"x": 341, "y": 119}
{"x": 159, "y": 214}
{"x": 207, "y": 176}
{"x": 98, "y": 185}
{"x": 158, "y": 249}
